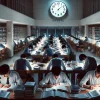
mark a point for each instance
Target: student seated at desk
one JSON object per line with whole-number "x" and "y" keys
{"x": 56, "y": 61}
{"x": 48, "y": 51}
{"x": 89, "y": 62}
{"x": 93, "y": 77}
{"x": 86, "y": 39}
{"x": 66, "y": 49}
{"x": 54, "y": 78}
{"x": 22, "y": 63}
{"x": 28, "y": 49}
{"x": 9, "y": 78}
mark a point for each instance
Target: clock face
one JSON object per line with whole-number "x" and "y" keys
{"x": 58, "y": 9}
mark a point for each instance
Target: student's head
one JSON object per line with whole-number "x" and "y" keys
{"x": 63, "y": 46}
{"x": 23, "y": 56}
{"x": 56, "y": 71}
{"x": 82, "y": 57}
{"x": 98, "y": 71}
{"x": 30, "y": 47}
{"x": 45, "y": 47}
{"x": 4, "y": 70}
{"x": 55, "y": 55}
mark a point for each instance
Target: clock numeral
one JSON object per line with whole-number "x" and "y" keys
{"x": 58, "y": 3}
{"x": 53, "y": 6}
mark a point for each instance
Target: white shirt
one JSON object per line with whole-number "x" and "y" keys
{"x": 91, "y": 77}
{"x": 50, "y": 79}
{"x": 86, "y": 63}
{"x": 14, "y": 79}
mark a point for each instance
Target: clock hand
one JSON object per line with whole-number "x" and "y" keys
{"x": 60, "y": 7}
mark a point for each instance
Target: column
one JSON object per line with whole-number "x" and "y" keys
{"x": 28, "y": 30}
{"x": 93, "y": 34}
{"x": 47, "y": 32}
{"x": 39, "y": 32}
{"x": 63, "y": 32}
{"x": 10, "y": 38}
{"x": 73, "y": 31}
{"x": 86, "y": 31}
{"x": 55, "y": 32}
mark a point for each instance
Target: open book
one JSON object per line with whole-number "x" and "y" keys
{"x": 53, "y": 93}
{"x": 60, "y": 87}
{"x": 80, "y": 96}
{"x": 94, "y": 93}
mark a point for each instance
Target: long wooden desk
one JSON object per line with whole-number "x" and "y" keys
{"x": 38, "y": 95}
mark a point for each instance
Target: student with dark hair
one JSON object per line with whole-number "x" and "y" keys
{"x": 89, "y": 62}
{"x": 66, "y": 49}
{"x": 28, "y": 49}
{"x": 22, "y": 63}
{"x": 55, "y": 77}
{"x": 48, "y": 51}
{"x": 93, "y": 78}
{"x": 56, "y": 61}
{"x": 9, "y": 78}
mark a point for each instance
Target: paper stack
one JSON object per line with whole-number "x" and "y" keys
{"x": 19, "y": 91}
{"x": 30, "y": 89}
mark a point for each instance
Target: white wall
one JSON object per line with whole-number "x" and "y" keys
{"x": 9, "y": 14}
{"x": 41, "y": 8}
{"x": 93, "y": 19}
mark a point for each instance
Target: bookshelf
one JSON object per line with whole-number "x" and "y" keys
{"x": 97, "y": 33}
{"x": 3, "y": 35}
{"x": 16, "y": 33}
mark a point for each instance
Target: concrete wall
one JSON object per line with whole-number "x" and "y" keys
{"x": 41, "y": 8}
{"x": 93, "y": 19}
{"x": 9, "y": 14}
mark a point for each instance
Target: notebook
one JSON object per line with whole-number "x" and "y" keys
{"x": 60, "y": 87}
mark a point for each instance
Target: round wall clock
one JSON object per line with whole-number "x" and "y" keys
{"x": 58, "y": 9}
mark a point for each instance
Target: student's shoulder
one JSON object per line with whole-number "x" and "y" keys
{"x": 62, "y": 73}
{"x": 49, "y": 74}
{"x": 14, "y": 72}
{"x": 90, "y": 72}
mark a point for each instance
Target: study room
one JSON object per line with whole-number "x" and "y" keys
{"x": 49, "y": 49}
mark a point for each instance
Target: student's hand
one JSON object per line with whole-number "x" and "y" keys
{"x": 56, "y": 84}
{"x": 6, "y": 86}
{"x": 1, "y": 85}
{"x": 92, "y": 87}
{"x": 50, "y": 85}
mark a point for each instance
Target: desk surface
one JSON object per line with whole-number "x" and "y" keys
{"x": 38, "y": 95}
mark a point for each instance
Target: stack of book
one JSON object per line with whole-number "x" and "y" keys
{"x": 30, "y": 89}
{"x": 4, "y": 94}
{"x": 75, "y": 89}
{"x": 19, "y": 92}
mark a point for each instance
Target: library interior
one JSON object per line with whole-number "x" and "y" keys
{"x": 49, "y": 49}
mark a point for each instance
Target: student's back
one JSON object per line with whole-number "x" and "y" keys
{"x": 21, "y": 64}
{"x": 92, "y": 63}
